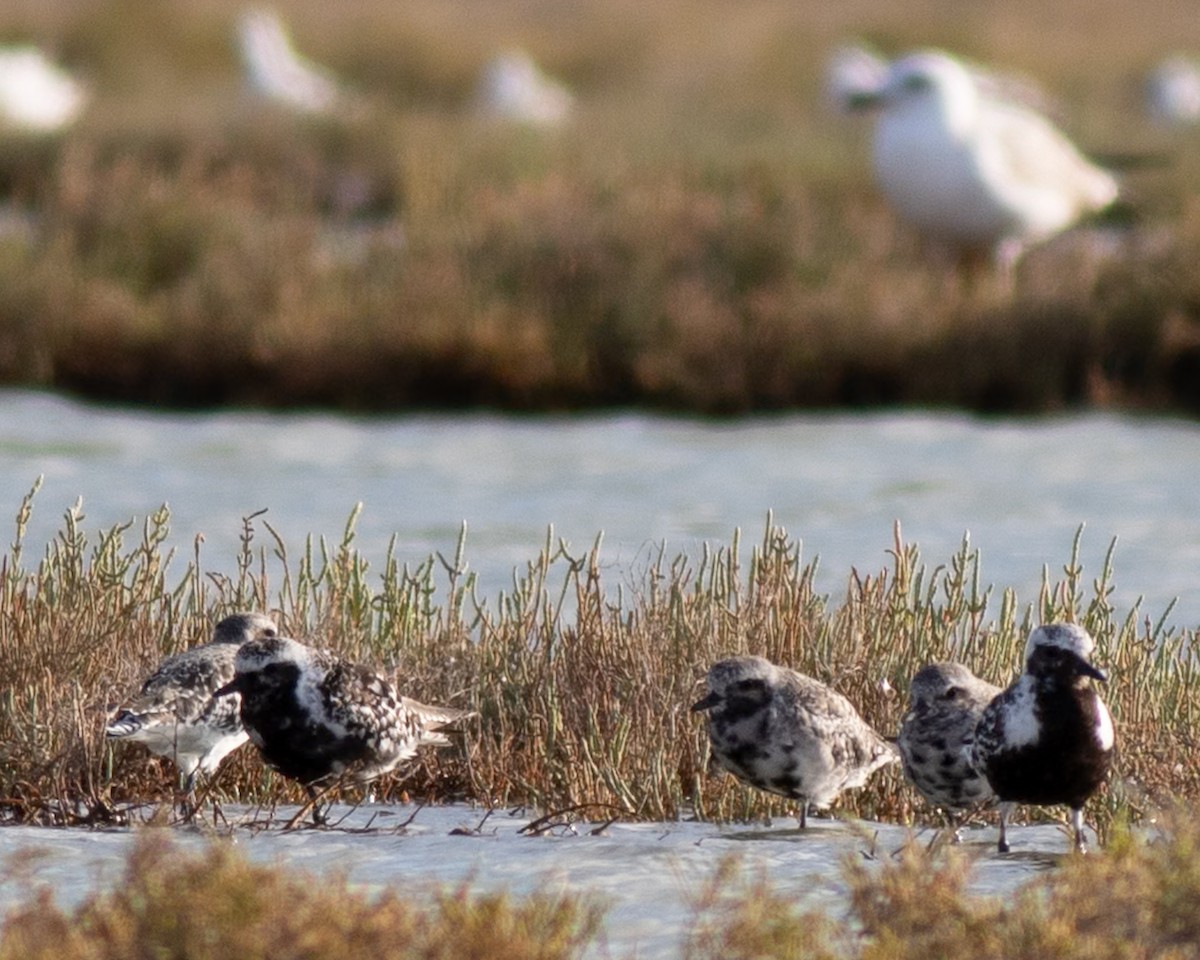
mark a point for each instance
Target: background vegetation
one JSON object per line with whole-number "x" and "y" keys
{"x": 703, "y": 235}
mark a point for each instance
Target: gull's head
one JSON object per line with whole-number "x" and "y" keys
{"x": 929, "y": 83}
{"x": 1061, "y": 650}
{"x": 746, "y": 680}
{"x": 242, "y": 628}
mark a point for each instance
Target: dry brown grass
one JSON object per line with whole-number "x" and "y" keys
{"x": 1133, "y": 901}
{"x": 705, "y": 236}
{"x": 216, "y": 904}
{"x": 582, "y": 687}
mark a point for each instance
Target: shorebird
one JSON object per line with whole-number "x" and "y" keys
{"x": 177, "y": 713}
{"x": 976, "y": 171}
{"x": 1048, "y": 739}
{"x": 937, "y": 737}
{"x": 316, "y": 717}
{"x": 788, "y": 734}
{"x": 276, "y": 71}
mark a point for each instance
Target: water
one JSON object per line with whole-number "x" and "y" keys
{"x": 647, "y": 874}
{"x": 837, "y": 481}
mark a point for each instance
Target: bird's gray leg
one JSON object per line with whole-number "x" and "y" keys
{"x": 954, "y": 823}
{"x": 1005, "y": 812}
{"x": 804, "y": 813}
{"x": 1077, "y": 823}
{"x": 187, "y": 803}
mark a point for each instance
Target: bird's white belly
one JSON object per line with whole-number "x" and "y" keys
{"x": 937, "y": 185}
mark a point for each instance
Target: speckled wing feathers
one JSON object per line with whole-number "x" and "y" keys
{"x": 786, "y": 733}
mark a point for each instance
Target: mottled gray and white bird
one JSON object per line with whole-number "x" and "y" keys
{"x": 974, "y": 170}
{"x": 937, "y": 737}
{"x": 315, "y": 716}
{"x": 788, "y": 734}
{"x": 177, "y": 713}
{"x": 1048, "y": 739}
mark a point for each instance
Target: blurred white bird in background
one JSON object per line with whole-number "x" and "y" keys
{"x": 1173, "y": 91}
{"x": 274, "y": 69}
{"x": 972, "y": 169}
{"x": 35, "y": 94}
{"x": 513, "y": 87}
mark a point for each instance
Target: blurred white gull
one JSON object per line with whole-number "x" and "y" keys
{"x": 34, "y": 93}
{"x": 276, "y": 71}
{"x": 1173, "y": 91}
{"x": 975, "y": 170}
{"x": 513, "y": 87}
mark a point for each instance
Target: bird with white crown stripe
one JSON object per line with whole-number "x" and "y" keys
{"x": 1048, "y": 739}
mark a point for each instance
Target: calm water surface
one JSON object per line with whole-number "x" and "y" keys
{"x": 647, "y": 874}
{"x": 836, "y": 481}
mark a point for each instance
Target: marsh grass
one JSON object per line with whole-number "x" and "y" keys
{"x": 582, "y": 684}
{"x": 704, "y": 236}
{"x": 196, "y": 906}
{"x": 1133, "y": 900}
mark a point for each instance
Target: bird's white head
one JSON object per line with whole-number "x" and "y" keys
{"x": 259, "y": 654}
{"x": 1053, "y": 646}
{"x": 930, "y": 82}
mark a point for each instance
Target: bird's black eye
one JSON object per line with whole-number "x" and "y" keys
{"x": 750, "y": 689}
{"x": 915, "y": 82}
{"x": 951, "y": 694}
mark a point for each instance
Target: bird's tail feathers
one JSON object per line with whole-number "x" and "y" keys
{"x": 435, "y": 718}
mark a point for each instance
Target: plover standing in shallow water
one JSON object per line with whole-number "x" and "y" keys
{"x": 1048, "y": 739}
{"x": 937, "y": 737}
{"x": 315, "y": 716}
{"x": 786, "y": 733}
{"x": 177, "y": 714}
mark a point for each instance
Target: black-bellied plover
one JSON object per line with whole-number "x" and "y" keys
{"x": 315, "y": 716}
{"x": 1048, "y": 739}
{"x": 788, "y": 734}
{"x": 937, "y": 737}
{"x": 177, "y": 714}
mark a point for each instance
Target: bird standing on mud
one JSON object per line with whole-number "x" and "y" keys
{"x": 316, "y": 717}
{"x": 177, "y": 712}
{"x": 1048, "y": 739}
{"x": 788, "y": 734}
{"x": 937, "y": 737}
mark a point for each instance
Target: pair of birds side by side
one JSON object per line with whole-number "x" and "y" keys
{"x": 313, "y": 715}
{"x": 1045, "y": 740}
